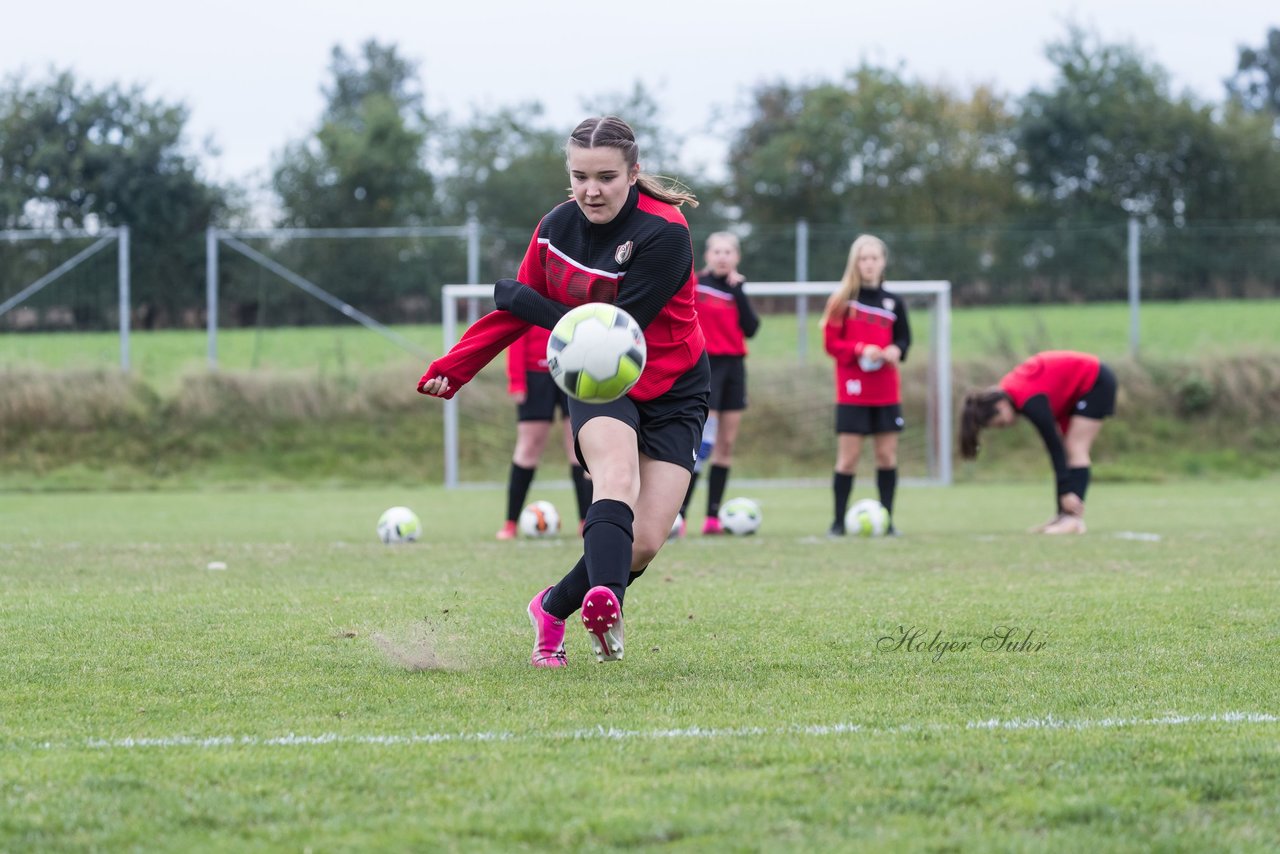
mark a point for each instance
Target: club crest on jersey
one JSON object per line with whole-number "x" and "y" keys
{"x": 622, "y": 254}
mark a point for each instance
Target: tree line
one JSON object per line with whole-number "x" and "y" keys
{"x": 1012, "y": 197}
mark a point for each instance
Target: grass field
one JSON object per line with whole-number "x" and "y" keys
{"x": 325, "y": 692}
{"x": 1206, "y": 328}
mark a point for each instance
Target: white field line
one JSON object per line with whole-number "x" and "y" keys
{"x": 1048, "y": 723}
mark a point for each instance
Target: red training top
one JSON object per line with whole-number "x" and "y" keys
{"x": 1063, "y": 376}
{"x": 875, "y": 317}
{"x": 527, "y": 353}
{"x": 640, "y": 261}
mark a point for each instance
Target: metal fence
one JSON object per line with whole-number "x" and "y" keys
{"x": 273, "y": 278}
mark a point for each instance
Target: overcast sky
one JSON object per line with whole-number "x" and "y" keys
{"x": 251, "y": 72}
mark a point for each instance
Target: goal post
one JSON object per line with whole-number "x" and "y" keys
{"x": 792, "y": 394}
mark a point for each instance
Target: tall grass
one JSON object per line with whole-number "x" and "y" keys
{"x": 93, "y": 429}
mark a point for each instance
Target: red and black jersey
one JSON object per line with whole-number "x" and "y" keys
{"x": 640, "y": 261}
{"x": 527, "y": 353}
{"x": 876, "y": 317}
{"x": 725, "y": 314}
{"x": 1062, "y": 376}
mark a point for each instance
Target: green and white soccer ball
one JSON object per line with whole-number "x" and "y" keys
{"x": 867, "y": 518}
{"x": 399, "y": 525}
{"x": 740, "y": 516}
{"x": 596, "y": 352}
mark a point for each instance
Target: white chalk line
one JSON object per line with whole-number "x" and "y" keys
{"x": 1047, "y": 723}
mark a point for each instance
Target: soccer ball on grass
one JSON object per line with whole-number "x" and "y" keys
{"x": 867, "y": 518}
{"x": 596, "y": 352}
{"x": 399, "y": 525}
{"x": 539, "y": 519}
{"x": 740, "y": 516}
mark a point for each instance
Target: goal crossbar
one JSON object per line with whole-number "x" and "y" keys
{"x": 938, "y": 290}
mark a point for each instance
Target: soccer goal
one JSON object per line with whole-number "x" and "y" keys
{"x": 787, "y": 432}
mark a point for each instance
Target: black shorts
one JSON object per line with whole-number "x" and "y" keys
{"x": 542, "y": 398}
{"x": 869, "y": 420}
{"x": 1100, "y": 400}
{"x": 668, "y": 428}
{"x": 728, "y": 383}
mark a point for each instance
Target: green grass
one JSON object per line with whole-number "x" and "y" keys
{"x": 115, "y": 629}
{"x": 1193, "y": 328}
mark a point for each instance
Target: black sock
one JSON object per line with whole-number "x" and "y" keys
{"x": 1078, "y": 481}
{"x": 843, "y": 485}
{"x": 582, "y": 488}
{"x": 518, "y": 490}
{"x": 887, "y": 483}
{"x": 566, "y": 597}
{"x": 688, "y": 495}
{"x": 715, "y": 488}
{"x": 607, "y": 540}
{"x": 632, "y": 578}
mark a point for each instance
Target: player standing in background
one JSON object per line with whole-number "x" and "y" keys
{"x": 537, "y": 399}
{"x": 727, "y": 320}
{"x": 865, "y": 329}
{"x": 1065, "y": 395}
{"x": 621, "y": 239}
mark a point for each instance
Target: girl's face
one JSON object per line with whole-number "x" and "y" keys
{"x": 1004, "y": 416}
{"x": 600, "y": 181}
{"x": 871, "y": 264}
{"x": 722, "y": 256}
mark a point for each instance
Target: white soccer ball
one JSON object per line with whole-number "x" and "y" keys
{"x": 867, "y": 518}
{"x": 596, "y": 352}
{"x": 399, "y": 525}
{"x": 740, "y": 516}
{"x": 539, "y": 519}
{"x": 675, "y": 527}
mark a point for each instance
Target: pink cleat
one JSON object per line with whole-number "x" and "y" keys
{"x": 548, "y": 635}
{"x": 602, "y": 617}
{"x": 507, "y": 531}
{"x": 712, "y": 526}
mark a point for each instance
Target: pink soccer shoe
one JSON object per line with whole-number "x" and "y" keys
{"x": 548, "y": 635}
{"x": 507, "y": 531}
{"x": 602, "y": 617}
{"x": 711, "y": 526}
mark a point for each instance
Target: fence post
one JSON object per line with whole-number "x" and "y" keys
{"x": 802, "y": 275}
{"x": 122, "y": 277}
{"x": 1135, "y": 239}
{"x": 211, "y": 292}
{"x": 473, "y": 267}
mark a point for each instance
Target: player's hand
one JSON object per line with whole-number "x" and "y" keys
{"x": 504, "y": 293}
{"x": 892, "y": 354}
{"x": 519, "y": 396}
{"x": 1071, "y": 504}
{"x": 872, "y": 353}
{"x": 735, "y": 279}
{"x": 436, "y": 386}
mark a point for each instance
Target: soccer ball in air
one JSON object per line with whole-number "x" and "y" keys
{"x": 399, "y": 525}
{"x": 740, "y": 516}
{"x": 596, "y": 352}
{"x": 539, "y": 519}
{"x": 867, "y": 518}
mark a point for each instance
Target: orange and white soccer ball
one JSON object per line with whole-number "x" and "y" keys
{"x": 539, "y": 519}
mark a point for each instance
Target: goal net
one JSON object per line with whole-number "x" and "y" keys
{"x": 788, "y": 430}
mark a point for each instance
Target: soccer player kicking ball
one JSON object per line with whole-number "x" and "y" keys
{"x": 620, "y": 239}
{"x": 1065, "y": 395}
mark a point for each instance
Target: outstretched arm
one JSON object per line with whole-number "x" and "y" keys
{"x": 1037, "y": 411}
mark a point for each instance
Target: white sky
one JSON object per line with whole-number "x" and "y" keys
{"x": 251, "y": 72}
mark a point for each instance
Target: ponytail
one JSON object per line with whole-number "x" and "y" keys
{"x": 979, "y": 409}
